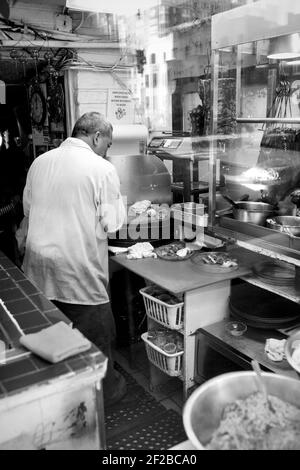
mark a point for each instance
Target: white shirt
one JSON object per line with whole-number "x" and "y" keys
{"x": 72, "y": 198}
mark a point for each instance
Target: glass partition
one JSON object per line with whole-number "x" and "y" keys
{"x": 256, "y": 124}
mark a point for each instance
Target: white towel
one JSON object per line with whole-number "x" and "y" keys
{"x": 274, "y": 349}
{"x": 117, "y": 250}
{"x": 141, "y": 250}
{"x": 56, "y": 343}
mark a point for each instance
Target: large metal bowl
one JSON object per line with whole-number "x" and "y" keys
{"x": 253, "y": 212}
{"x": 292, "y": 343}
{"x": 285, "y": 223}
{"x": 203, "y": 410}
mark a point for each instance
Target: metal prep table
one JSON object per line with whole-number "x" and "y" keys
{"x": 206, "y": 310}
{"x": 205, "y": 301}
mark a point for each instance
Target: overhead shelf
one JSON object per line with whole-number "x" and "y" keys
{"x": 288, "y": 292}
{"x": 268, "y": 120}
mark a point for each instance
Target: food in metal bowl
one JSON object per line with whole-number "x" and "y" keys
{"x": 252, "y": 424}
{"x": 285, "y": 223}
{"x": 229, "y": 412}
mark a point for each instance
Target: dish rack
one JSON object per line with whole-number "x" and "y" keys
{"x": 171, "y": 364}
{"x": 169, "y": 315}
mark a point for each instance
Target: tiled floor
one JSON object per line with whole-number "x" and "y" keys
{"x": 137, "y": 364}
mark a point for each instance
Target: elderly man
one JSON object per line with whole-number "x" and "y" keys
{"x": 72, "y": 200}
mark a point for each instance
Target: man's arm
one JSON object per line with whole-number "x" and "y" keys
{"x": 27, "y": 195}
{"x": 112, "y": 211}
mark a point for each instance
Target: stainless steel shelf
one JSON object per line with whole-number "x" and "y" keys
{"x": 244, "y": 348}
{"x": 269, "y": 120}
{"x": 289, "y": 292}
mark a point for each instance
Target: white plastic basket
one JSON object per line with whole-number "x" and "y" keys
{"x": 171, "y": 364}
{"x": 168, "y": 315}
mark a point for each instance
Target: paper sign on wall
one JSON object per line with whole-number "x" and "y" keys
{"x": 120, "y": 107}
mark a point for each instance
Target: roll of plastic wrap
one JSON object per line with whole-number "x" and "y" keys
{"x": 129, "y": 139}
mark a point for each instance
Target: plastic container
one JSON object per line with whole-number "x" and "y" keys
{"x": 169, "y": 315}
{"x": 171, "y": 364}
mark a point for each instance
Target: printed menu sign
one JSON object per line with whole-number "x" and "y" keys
{"x": 120, "y": 107}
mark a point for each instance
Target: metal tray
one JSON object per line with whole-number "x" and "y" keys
{"x": 212, "y": 268}
{"x": 174, "y": 257}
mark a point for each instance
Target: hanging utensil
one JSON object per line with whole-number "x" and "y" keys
{"x": 235, "y": 204}
{"x": 231, "y": 201}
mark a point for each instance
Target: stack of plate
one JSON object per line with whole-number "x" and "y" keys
{"x": 262, "y": 309}
{"x": 277, "y": 274}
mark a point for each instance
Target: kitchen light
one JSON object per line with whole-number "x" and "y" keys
{"x": 284, "y": 47}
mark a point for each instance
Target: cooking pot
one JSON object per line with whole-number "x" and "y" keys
{"x": 253, "y": 212}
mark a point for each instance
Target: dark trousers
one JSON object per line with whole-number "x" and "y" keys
{"x": 97, "y": 324}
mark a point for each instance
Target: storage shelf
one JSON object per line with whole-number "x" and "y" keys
{"x": 243, "y": 349}
{"x": 289, "y": 292}
{"x": 268, "y": 120}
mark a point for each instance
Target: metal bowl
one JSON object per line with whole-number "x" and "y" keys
{"x": 236, "y": 328}
{"x": 285, "y": 223}
{"x": 293, "y": 343}
{"x": 253, "y": 212}
{"x": 203, "y": 410}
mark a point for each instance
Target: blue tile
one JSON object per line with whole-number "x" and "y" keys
{"x": 27, "y": 287}
{"x": 39, "y": 362}
{"x": 11, "y": 294}
{"x": 16, "y": 274}
{"x": 6, "y": 263}
{"x": 5, "y": 284}
{"x": 2, "y": 391}
{"x": 16, "y": 368}
{"x": 20, "y": 306}
{"x": 3, "y": 274}
{"x": 32, "y": 319}
{"x": 55, "y": 316}
{"x": 42, "y": 376}
{"x": 34, "y": 329}
{"x": 77, "y": 364}
{"x": 41, "y": 302}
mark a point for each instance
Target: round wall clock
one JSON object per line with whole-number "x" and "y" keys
{"x": 38, "y": 107}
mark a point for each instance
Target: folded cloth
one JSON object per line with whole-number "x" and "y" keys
{"x": 139, "y": 207}
{"x": 274, "y": 349}
{"x": 117, "y": 250}
{"x": 56, "y": 343}
{"x": 141, "y": 250}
